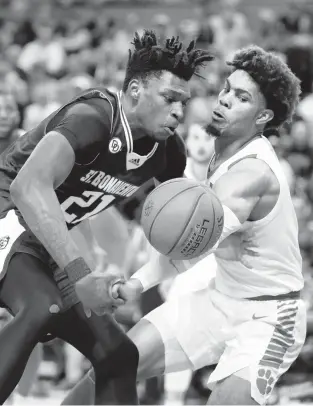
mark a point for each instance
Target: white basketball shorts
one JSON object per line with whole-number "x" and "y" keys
{"x": 204, "y": 327}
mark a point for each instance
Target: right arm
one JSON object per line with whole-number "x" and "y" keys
{"x": 33, "y": 193}
{"x": 159, "y": 268}
{"x": 50, "y": 163}
{"x": 239, "y": 191}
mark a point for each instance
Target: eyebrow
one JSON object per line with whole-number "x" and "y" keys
{"x": 177, "y": 93}
{"x": 238, "y": 89}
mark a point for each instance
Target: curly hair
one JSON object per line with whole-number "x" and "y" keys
{"x": 150, "y": 57}
{"x": 278, "y": 84}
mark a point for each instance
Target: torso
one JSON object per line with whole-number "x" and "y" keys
{"x": 102, "y": 174}
{"x": 263, "y": 257}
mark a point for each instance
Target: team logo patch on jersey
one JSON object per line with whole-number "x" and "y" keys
{"x": 115, "y": 145}
{"x": 4, "y": 241}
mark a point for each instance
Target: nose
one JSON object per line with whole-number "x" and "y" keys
{"x": 177, "y": 111}
{"x": 225, "y": 101}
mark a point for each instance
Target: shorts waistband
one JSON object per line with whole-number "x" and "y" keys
{"x": 285, "y": 296}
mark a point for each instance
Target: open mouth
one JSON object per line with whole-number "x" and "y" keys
{"x": 218, "y": 115}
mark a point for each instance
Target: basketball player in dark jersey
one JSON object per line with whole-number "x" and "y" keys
{"x": 91, "y": 153}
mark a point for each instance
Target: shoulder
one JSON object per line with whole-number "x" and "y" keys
{"x": 93, "y": 114}
{"x": 95, "y": 101}
{"x": 248, "y": 176}
{"x": 84, "y": 122}
{"x": 251, "y": 165}
{"x": 90, "y": 109}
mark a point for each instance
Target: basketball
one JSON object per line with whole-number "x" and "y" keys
{"x": 182, "y": 218}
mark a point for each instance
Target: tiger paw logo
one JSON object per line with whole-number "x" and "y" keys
{"x": 265, "y": 381}
{"x": 148, "y": 208}
{"x": 4, "y": 241}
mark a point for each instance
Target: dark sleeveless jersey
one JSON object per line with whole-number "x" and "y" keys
{"x": 106, "y": 169}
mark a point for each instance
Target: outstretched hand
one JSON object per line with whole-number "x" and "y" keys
{"x": 127, "y": 291}
{"x": 95, "y": 291}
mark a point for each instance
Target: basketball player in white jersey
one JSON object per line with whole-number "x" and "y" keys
{"x": 250, "y": 320}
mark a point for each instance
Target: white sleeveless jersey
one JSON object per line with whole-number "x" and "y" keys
{"x": 263, "y": 257}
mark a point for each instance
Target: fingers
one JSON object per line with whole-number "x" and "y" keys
{"x": 119, "y": 302}
{"x": 115, "y": 290}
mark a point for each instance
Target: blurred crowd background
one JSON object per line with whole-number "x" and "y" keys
{"x": 52, "y": 49}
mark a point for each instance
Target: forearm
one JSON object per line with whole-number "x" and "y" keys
{"x": 94, "y": 252}
{"x": 158, "y": 269}
{"x": 41, "y": 211}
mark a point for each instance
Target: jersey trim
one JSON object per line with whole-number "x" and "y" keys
{"x": 241, "y": 159}
{"x": 127, "y": 131}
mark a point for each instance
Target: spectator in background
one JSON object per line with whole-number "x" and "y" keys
{"x": 199, "y": 109}
{"x": 24, "y": 33}
{"x": 281, "y": 154}
{"x": 45, "y": 101}
{"x": 300, "y": 153}
{"x": 46, "y": 51}
{"x": 77, "y": 71}
{"x": 161, "y": 24}
{"x": 271, "y": 31}
{"x": 77, "y": 36}
{"x": 230, "y": 29}
{"x": 9, "y": 118}
{"x": 15, "y": 79}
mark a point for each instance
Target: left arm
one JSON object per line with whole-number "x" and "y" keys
{"x": 240, "y": 191}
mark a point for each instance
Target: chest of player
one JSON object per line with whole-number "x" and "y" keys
{"x": 91, "y": 188}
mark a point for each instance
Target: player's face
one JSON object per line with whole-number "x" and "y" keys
{"x": 199, "y": 144}
{"x": 9, "y": 115}
{"x": 161, "y": 105}
{"x": 239, "y": 108}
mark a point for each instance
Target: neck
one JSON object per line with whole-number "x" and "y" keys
{"x": 225, "y": 145}
{"x": 143, "y": 143}
{"x": 136, "y": 129}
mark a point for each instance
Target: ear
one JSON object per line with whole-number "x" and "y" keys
{"x": 134, "y": 89}
{"x": 264, "y": 117}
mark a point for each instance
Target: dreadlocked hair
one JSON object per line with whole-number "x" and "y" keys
{"x": 279, "y": 86}
{"x": 150, "y": 57}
